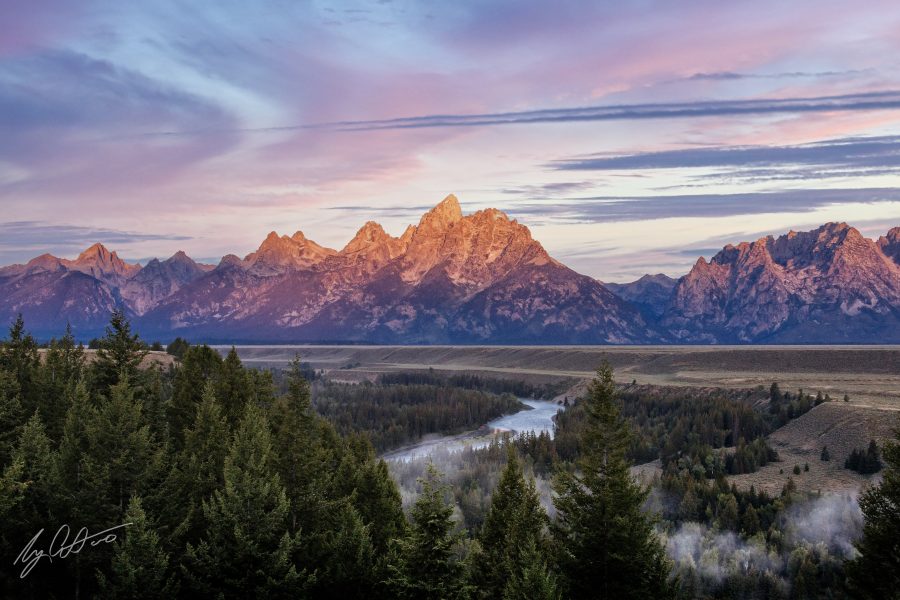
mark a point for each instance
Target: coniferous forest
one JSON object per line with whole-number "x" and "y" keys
{"x": 233, "y": 482}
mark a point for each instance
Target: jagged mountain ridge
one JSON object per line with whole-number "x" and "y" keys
{"x": 452, "y": 278}
{"x": 421, "y": 287}
{"x": 478, "y": 278}
{"x": 829, "y": 285}
{"x": 650, "y": 293}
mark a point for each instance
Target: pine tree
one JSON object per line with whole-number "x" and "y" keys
{"x": 514, "y": 522}
{"x": 425, "y": 566}
{"x": 198, "y": 468}
{"x": 246, "y": 549}
{"x": 139, "y": 566}
{"x": 119, "y": 355}
{"x": 232, "y": 389}
{"x": 531, "y": 579}
{"x": 875, "y": 573}
{"x": 19, "y": 356}
{"x": 200, "y": 364}
{"x": 12, "y": 415}
{"x": 177, "y": 348}
{"x": 348, "y": 558}
{"x": 301, "y": 458}
{"x": 34, "y": 458}
{"x": 30, "y": 479}
{"x": 12, "y": 490}
{"x": 62, "y": 369}
{"x": 378, "y": 501}
{"x": 119, "y": 439}
{"x": 608, "y": 546}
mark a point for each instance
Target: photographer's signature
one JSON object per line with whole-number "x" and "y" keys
{"x": 60, "y": 547}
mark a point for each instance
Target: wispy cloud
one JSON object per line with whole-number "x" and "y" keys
{"x": 858, "y": 152}
{"x": 637, "y": 208}
{"x": 548, "y": 190}
{"x": 881, "y": 100}
{"x": 22, "y": 240}
{"x": 868, "y": 101}
{"x": 734, "y": 76}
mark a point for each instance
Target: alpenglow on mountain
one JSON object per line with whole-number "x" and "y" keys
{"x": 469, "y": 279}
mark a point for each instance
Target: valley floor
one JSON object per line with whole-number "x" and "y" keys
{"x": 870, "y": 375}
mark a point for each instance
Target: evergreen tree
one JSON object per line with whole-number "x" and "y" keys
{"x": 246, "y": 549}
{"x": 12, "y": 490}
{"x": 302, "y": 459}
{"x": 608, "y": 546}
{"x": 514, "y": 523}
{"x": 425, "y": 564}
{"x": 200, "y": 365}
{"x": 82, "y": 477}
{"x": 19, "y": 356}
{"x": 139, "y": 566}
{"x": 155, "y": 397}
{"x": 177, "y": 348}
{"x": 12, "y": 415}
{"x": 119, "y": 439}
{"x": 30, "y": 480}
{"x": 232, "y": 389}
{"x": 62, "y": 370}
{"x": 348, "y": 558}
{"x": 33, "y": 459}
{"x": 532, "y": 579}
{"x": 361, "y": 487}
{"x": 119, "y": 355}
{"x": 875, "y": 573}
{"x": 198, "y": 470}
{"x": 378, "y": 502}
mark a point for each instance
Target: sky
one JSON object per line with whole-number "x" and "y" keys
{"x": 631, "y": 137}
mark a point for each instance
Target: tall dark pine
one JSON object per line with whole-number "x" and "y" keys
{"x": 514, "y": 523}
{"x": 608, "y": 547}
{"x": 875, "y": 573}
{"x": 19, "y": 356}
{"x": 63, "y": 369}
{"x": 426, "y": 566}
{"x": 246, "y": 549}
{"x": 30, "y": 479}
{"x": 198, "y": 469}
{"x": 119, "y": 439}
{"x": 233, "y": 390}
{"x": 120, "y": 354}
{"x": 12, "y": 415}
{"x": 200, "y": 364}
{"x": 139, "y": 567}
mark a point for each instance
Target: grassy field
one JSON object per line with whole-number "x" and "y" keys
{"x": 153, "y": 358}
{"x": 841, "y": 427}
{"x": 869, "y": 374}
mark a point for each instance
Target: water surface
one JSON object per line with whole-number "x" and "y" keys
{"x": 539, "y": 419}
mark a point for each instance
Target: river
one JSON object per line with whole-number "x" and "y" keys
{"x": 538, "y": 419}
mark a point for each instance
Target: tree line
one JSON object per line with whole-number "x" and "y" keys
{"x": 395, "y": 414}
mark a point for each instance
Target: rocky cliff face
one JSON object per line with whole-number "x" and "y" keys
{"x": 101, "y": 264}
{"x": 478, "y": 278}
{"x": 650, "y": 293}
{"x": 890, "y": 244}
{"x": 451, "y": 278}
{"x": 826, "y": 285}
{"x": 159, "y": 280}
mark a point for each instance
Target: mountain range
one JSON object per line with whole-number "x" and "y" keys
{"x": 469, "y": 279}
